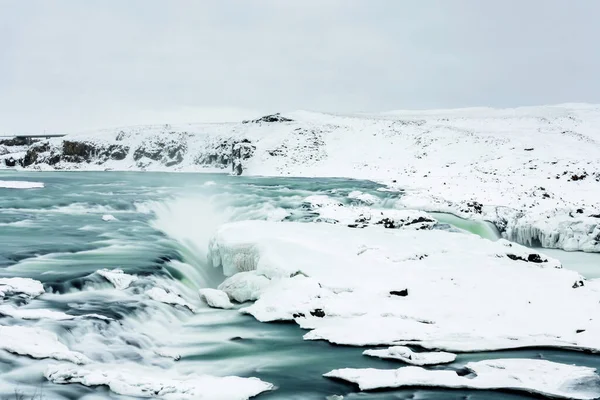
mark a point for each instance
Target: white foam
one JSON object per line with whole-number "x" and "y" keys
{"x": 23, "y": 313}
{"x": 109, "y": 217}
{"x": 533, "y": 376}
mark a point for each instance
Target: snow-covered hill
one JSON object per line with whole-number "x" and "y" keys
{"x": 534, "y": 172}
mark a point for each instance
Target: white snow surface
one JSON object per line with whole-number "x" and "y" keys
{"x": 37, "y": 343}
{"x": 119, "y": 279}
{"x": 215, "y": 298}
{"x": 24, "y": 287}
{"x": 529, "y": 162}
{"x": 20, "y": 185}
{"x": 436, "y": 289}
{"x": 140, "y": 381}
{"x": 533, "y": 376}
{"x": 405, "y": 354}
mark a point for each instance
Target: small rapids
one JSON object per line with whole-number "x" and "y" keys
{"x": 162, "y": 225}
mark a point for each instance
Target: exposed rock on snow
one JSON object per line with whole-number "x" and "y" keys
{"x": 20, "y": 185}
{"x": 408, "y": 356}
{"x": 348, "y": 275}
{"x": 37, "y": 343}
{"x": 23, "y": 287}
{"x": 119, "y": 279}
{"x": 215, "y": 298}
{"x": 533, "y": 376}
{"x": 138, "y": 381}
{"x": 245, "y": 286}
{"x": 161, "y": 295}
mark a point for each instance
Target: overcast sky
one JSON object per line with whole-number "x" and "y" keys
{"x": 68, "y": 65}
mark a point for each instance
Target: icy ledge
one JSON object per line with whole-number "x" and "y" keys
{"x": 23, "y": 287}
{"x": 119, "y": 279}
{"x": 139, "y": 381}
{"x": 405, "y": 354}
{"x": 433, "y": 289}
{"x": 533, "y": 376}
{"x": 37, "y": 343}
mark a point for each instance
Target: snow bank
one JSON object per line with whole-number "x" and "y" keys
{"x": 215, "y": 298}
{"x": 20, "y": 185}
{"x": 37, "y": 343}
{"x": 139, "y": 381}
{"x": 119, "y": 279}
{"x": 245, "y": 286}
{"x": 533, "y": 376}
{"x": 161, "y": 295}
{"x": 339, "y": 282}
{"x": 24, "y": 287}
{"x": 408, "y": 356}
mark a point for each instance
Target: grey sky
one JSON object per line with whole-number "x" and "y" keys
{"x": 79, "y": 64}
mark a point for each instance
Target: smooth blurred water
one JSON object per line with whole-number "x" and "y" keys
{"x": 57, "y": 235}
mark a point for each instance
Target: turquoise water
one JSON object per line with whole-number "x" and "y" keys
{"x": 57, "y": 235}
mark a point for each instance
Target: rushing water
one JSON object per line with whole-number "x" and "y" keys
{"x": 163, "y": 223}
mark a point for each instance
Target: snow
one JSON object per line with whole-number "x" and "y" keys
{"x": 108, "y": 218}
{"x": 532, "y": 376}
{"x": 245, "y": 286}
{"x": 20, "y": 185}
{"x": 405, "y": 354}
{"x": 119, "y": 279}
{"x": 22, "y": 313}
{"x": 339, "y": 282}
{"x": 24, "y": 287}
{"x": 140, "y": 381}
{"x": 215, "y": 298}
{"x": 162, "y": 296}
{"x": 364, "y": 198}
{"x": 37, "y": 343}
{"x": 524, "y": 166}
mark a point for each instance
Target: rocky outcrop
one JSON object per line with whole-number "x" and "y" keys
{"x": 269, "y": 119}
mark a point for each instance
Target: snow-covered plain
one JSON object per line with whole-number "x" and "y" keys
{"x": 532, "y": 171}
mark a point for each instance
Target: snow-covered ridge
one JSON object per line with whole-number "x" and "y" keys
{"x": 534, "y": 171}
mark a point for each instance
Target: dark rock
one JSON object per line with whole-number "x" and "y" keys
{"x": 577, "y": 284}
{"x": 401, "y": 293}
{"x": 18, "y": 141}
{"x": 387, "y": 223}
{"x": 535, "y": 258}
{"x": 595, "y": 215}
{"x": 529, "y": 149}
{"x": 10, "y": 162}
{"x": 269, "y": 119}
{"x": 117, "y": 152}
{"x": 32, "y": 155}
{"x": 580, "y": 331}
{"x": 299, "y": 315}
{"x": 317, "y": 313}
{"x": 236, "y": 338}
{"x": 515, "y": 257}
{"x": 420, "y": 220}
{"x": 579, "y": 211}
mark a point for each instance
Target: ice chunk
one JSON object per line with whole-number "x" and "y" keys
{"x": 20, "y": 185}
{"x": 140, "y": 381}
{"x": 244, "y": 286}
{"x": 215, "y": 298}
{"x": 161, "y": 295}
{"x": 108, "y": 217}
{"x": 37, "y": 343}
{"x": 533, "y": 376}
{"x": 365, "y": 198}
{"x": 408, "y": 356}
{"x": 24, "y": 287}
{"x": 117, "y": 277}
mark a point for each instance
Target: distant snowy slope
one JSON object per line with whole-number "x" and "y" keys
{"x": 533, "y": 171}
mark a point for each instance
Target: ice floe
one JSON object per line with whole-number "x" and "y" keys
{"x": 20, "y": 185}
{"x": 434, "y": 289}
{"x": 533, "y": 376}
{"x": 245, "y": 286}
{"x": 405, "y": 354}
{"x": 161, "y": 295}
{"x": 119, "y": 279}
{"x": 23, "y": 287}
{"x": 109, "y": 217}
{"x": 140, "y": 381}
{"x": 215, "y": 298}
{"x": 37, "y": 343}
